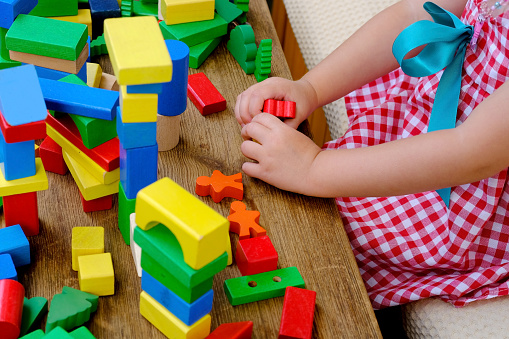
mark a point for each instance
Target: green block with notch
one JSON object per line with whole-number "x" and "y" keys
{"x": 126, "y": 207}
{"x": 263, "y": 60}
{"x": 194, "y": 33}
{"x": 199, "y": 53}
{"x": 242, "y": 46}
{"x": 49, "y": 8}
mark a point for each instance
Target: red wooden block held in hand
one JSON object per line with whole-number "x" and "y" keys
{"x": 244, "y": 222}
{"x": 12, "y": 294}
{"x": 280, "y": 108}
{"x": 220, "y": 186}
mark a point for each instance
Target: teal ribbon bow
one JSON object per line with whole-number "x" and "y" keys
{"x": 446, "y": 40}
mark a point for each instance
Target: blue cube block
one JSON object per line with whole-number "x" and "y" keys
{"x": 135, "y": 134}
{"x": 138, "y": 168}
{"x": 173, "y": 99}
{"x": 17, "y": 160}
{"x": 14, "y": 242}
{"x": 7, "y": 269}
{"x": 101, "y": 10}
{"x": 10, "y": 9}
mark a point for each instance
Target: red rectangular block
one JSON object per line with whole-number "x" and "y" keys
{"x": 204, "y": 94}
{"x": 99, "y": 204}
{"x": 298, "y": 314}
{"x": 22, "y": 209}
{"x": 25, "y": 132}
{"x": 51, "y": 156}
{"x": 238, "y": 330}
{"x": 256, "y": 255}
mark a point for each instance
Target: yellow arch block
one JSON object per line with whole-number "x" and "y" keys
{"x": 201, "y": 231}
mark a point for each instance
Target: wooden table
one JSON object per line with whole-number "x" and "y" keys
{"x": 306, "y": 232}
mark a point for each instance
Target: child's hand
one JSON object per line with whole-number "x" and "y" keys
{"x": 284, "y": 156}
{"x": 250, "y": 102}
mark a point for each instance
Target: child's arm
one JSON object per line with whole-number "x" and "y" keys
{"x": 477, "y": 149}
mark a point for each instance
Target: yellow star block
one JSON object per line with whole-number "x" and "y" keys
{"x": 138, "y": 107}
{"x": 96, "y": 274}
{"x": 38, "y": 182}
{"x": 85, "y": 241}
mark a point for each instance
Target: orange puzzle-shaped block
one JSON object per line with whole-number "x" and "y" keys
{"x": 244, "y": 222}
{"x": 220, "y": 186}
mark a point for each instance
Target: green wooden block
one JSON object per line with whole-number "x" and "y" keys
{"x": 194, "y": 33}
{"x": 242, "y": 19}
{"x": 199, "y": 53}
{"x": 242, "y": 46}
{"x": 98, "y": 46}
{"x": 263, "y": 60}
{"x": 55, "y": 8}
{"x": 91, "y": 298}
{"x": 47, "y": 37}
{"x": 34, "y": 309}
{"x": 126, "y": 207}
{"x": 227, "y": 10}
{"x": 160, "y": 243}
{"x": 5, "y": 60}
{"x": 161, "y": 274}
{"x": 68, "y": 310}
{"x": 57, "y": 333}
{"x": 141, "y": 8}
{"x": 126, "y": 8}
{"x": 82, "y": 333}
{"x": 34, "y": 335}
{"x": 262, "y": 286}
{"x": 243, "y": 5}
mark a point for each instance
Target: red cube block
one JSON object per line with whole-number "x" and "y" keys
{"x": 256, "y": 255}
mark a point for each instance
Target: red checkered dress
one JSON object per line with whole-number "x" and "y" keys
{"x": 412, "y": 247}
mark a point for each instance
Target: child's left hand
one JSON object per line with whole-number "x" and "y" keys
{"x": 284, "y": 155}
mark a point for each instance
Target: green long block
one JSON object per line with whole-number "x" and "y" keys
{"x": 199, "y": 53}
{"x": 55, "y": 8}
{"x": 5, "y": 60}
{"x": 272, "y": 284}
{"x": 160, "y": 243}
{"x": 126, "y": 207}
{"x": 161, "y": 274}
{"x": 141, "y": 8}
{"x": 47, "y": 37}
{"x": 194, "y": 33}
{"x": 34, "y": 309}
{"x": 227, "y": 10}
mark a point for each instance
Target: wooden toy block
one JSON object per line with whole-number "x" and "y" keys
{"x": 243, "y": 47}
{"x": 38, "y": 334}
{"x": 200, "y": 230}
{"x": 263, "y": 60}
{"x": 126, "y": 8}
{"x": 51, "y": 155}
{"x": 42, "y": 36}
{"x": 5, "y": 59}
{"x": 135, "y": 134}
{"x": 94, "y": 74}
{"x": 298, "y": 314}
{"x": 21, "y": 209}
{"x": 10, "y": 9}
{"x": 109, "y": 82}
{"x": 91, "y": 298}
{"x": 182, "y": 11}
{"x": 141, "y": 8}
{"x": 94, "y": 132}
{"x": 220, "y": 186}
{"x": 81, "y": 333}
{"x": 86, "y": 241}
{"x": 244, "y": 222}
{"x": 169, "y": 324}
{"x": 34, "y": 309}
{"x": 204, "y": 94}
{"x": 96, "y": 274}
{"x": 280, "y": 108}
{"x": 188, "y": 313}
{"x": 194, "y": 33}
{"x": 238, "y": 330}
{"x": 242, "y": 5}
{"x": 25, "y": 132}
{"x": 99, "y": 204}
{"x": 12, "y": 294}
{"x": 47, "y": 73}
{"x": 135, "y": 248}
{"x": 68, "y": 310}
{"x": 88, "y": 185}
{"x": 146, "y": 88}
{"x": 138, "y": 168}
{"x": 17, "y": 159}
{"x": 98, "y": 46}
{"x": 81, "y": 100}
{"x": 126, "y": 208}
{"x": 7, "y": 269}
{"x": 137, "y": 51}
{"x": 21, "y": 99}
{"x": 161, "y": 274}
{"x": 55, "y": 8}
{"x": 227, "y": 10}
{"x": 14, "y": 242}
{"x": 38, "y": 182}
{"x": 92, "y": 168}
{"x": 256, "y": 255}
{"x": 198, "y": 53}
{"x": 83, "y": 17}
{"x": 262, "y": 286}
{"x": 101, "y": 10}
{"x": 168, "y": 132}
{"x": 173, "y": 99}
{"x": 57, "y": 333}
{"x": 138, "y": 107}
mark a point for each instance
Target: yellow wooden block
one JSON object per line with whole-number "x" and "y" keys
{"x": 94, "y": 74}
{"x": 181, "y": 11}
{"x": 96, "y": 274}
{"x": 99, "y": 173}
{"x": 89, "y": 187}
{"x": 229, "y": 250}
{"x": 38, "y": 182}
{"x": 83, "y": 17}
{"x": 86, "y": 241}
{"x": 138, "y": 107}
{"x": 169, "y": 324}
{"x": 199, "y": 229}
{"x": 137, "y": 50}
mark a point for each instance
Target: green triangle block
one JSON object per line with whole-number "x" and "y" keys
{"x": 82, "y": 333}
{"x": 194, "y": 33}
{"x": 227, "y": 10}
{"x": 198, "y": 53}
{"x": 34, "y": 309}
{"x": 92, "y": 298}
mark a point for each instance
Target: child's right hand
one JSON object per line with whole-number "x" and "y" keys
{"x": 250, "y": 102}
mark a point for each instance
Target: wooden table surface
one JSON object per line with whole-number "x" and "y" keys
{"x": 307, "y": 232}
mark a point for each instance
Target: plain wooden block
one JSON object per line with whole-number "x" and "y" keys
{"x": 135, "y": 248}
{"x": 25, "y": 132}
{"x": 204, "y": 95}
{"x": 17, "y": 159}
{"x": 199, "y": 53}
{"x": 238, "y": 330}
{"x": 10, "y": 9}
{"x": 101, "y": 10}
{"x": 96, "y": 274}
{"x": 298, "y": 314}
{"x": 85, "y": 241}
{"x": 126, "y": 208}
{"x": 138, "y": 168}
{"x": 168, "y": 132}
{"x": 14, "y": 242}
{"x": 21, "y": 209}
{"x": 38, "y": 182}
{"x": 7, "y": 268}
{"x": 12, "y": 294}
{"x": 54, "y": 8}
{"x": 138, "y": 107}
{"x": 94, "y": 74}
{"x": 256, "y": 255}
{"x": 181, "y": 11}
{"x": 173, "y": 98}
{"x": 99, "y": 204}
{"x": 109, "y": 82}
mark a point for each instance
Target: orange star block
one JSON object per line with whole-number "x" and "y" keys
{"x": 220, "y": 186}
{"x": 244, "y": 222}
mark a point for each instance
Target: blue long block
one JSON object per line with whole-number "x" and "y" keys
{"x": 145, "y": 89}
{"x": 100, "y": 10}
{"x": 187, "y": 313}
{"x": 10, "y": 9}
{"x": 48, "y": 73}
{"x": 7, "y": 269}
{"x": 14, "y": 242}
{"x": 21, "y": 99}
{"x": 80, "y": 100}
{"x": 138, "y": 168}
{"x": 17, "y": 160}
{"x": 135, "y": 134}
{"x": 173, "y": 99}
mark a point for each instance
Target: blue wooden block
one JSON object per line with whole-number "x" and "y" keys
{"x": 48, "y": 73}
{"x": 80, "y": 100}
{"x": 17, "y": 160}
{"x": 144, "y": 89}
{"x": 173, "y": 99}
{"x": 14, "y": 242}
{"x": 135, "y": 134}
{"x": 82, "y": 73}
{"x": 186, "y": 312}
{"x": 138, "y": 168}
{"x": 21, "y": 99}
{"x": 10, "y": 9}
{"x": 101, "y": 10}
{"x": 7, "y": 269}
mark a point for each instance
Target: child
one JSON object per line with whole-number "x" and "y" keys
{"x": 410, "y": 242}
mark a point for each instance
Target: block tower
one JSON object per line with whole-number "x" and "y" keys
{"x": 184, "y": 243}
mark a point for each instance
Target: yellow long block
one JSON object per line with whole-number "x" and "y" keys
{"x": 83, "y": 17}
{"x": 88, "y": 185}
{"x": 200, "y": 230}
{"x": 102, "y": 176}
{"x": 138, "y": 107}
{"x": 181, "y": 11}
{"x": 86, "y": 241}
{"x": 94, "y": 74}
{"x": 169, "y": 324}
{"x": 96, "y": 274}
{"x": 38, "y": 182}
{"x": 137, "y": 50}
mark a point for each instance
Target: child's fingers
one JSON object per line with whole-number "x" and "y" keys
{"x": 255, "y": 130}
{"x": 267, "y": 120}
{"x": 251, "y": 150}
{"x": 252, "y": 169}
